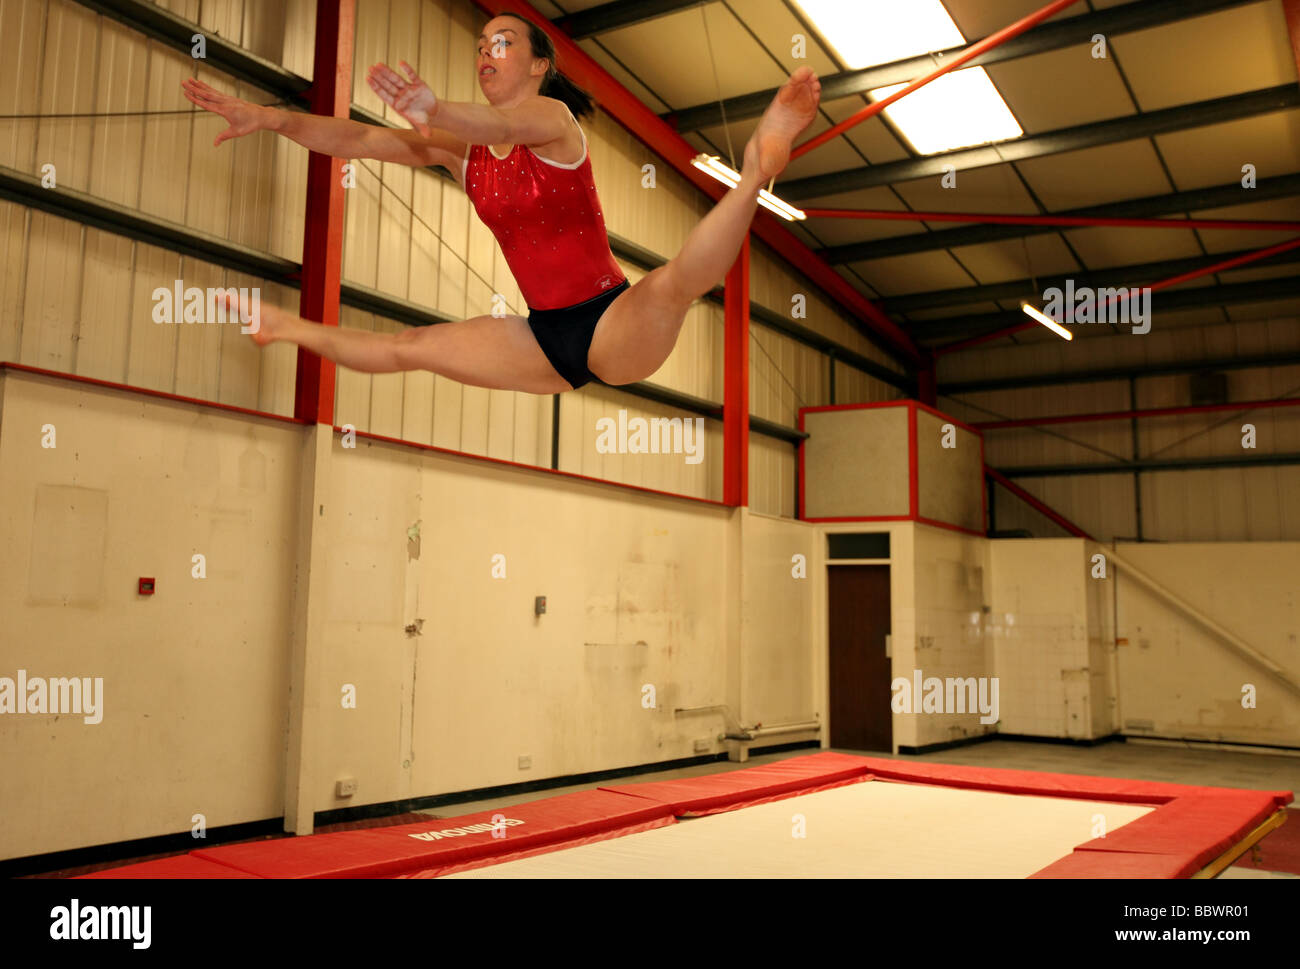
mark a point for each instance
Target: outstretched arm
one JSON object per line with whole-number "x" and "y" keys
{"x": 536, "y": 121}
{"x": 337, "y": 137}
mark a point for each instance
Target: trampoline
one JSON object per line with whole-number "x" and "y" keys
{"x": 821, "y": 815}
{"x": 887, "y": 830}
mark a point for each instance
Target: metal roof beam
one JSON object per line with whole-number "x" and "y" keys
{"x": 1227, "y": 295}
{"x": 1052, "y": 36}
{"x": 1200, "y": 200}
{"x": 1129, "y": 127}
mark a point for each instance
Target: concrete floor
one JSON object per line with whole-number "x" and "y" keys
{"x": 1141, "y": 760}
{"x": 1173, "y": 763}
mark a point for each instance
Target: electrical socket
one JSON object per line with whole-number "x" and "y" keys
{"x": 525, "y": 761}
{"x": 346, "y": 787}
{"x": 703, "y": 745}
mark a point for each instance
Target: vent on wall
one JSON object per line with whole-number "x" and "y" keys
{"x": 1209, "y": 388}
{"x": 859, "y": 545}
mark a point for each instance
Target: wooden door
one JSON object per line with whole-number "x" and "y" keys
{"x": 859, "y": 669}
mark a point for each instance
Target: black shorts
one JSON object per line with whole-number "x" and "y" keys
{"x": 565, "y": 334}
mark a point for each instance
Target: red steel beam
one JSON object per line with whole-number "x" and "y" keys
{"x": 322, "y": 243}
{"x": 1035, "y": 504}
{"x": 622, "y": 105}
{"x": 975, "y": 50}
{"x": 1122, "y": 293}
{"x": 1053, "y": 220}
{"x": 735, "y": 405}
{"x": 1118, "y": 415}
{"x": 1291, "y": 11}
{"x": 1220, "y": 267}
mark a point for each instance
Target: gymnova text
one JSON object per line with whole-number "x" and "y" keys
{"x": 659, "y": 435}
{"x": 193, "y": 305}
{"x": 1105, "y": 305}
{"x": 497, "y": 828}
{"x": 953, "y": 694}
{"x": 58, "y": 694}
{"x": 99, "y": 923}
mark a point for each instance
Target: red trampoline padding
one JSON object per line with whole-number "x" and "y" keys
{"x": 1187, "y": 833}
{"x": 728, "y": 791}
{"x": 1007, "y": 781}
{"x": 385, "y": 852}
{"x": 177, "y": 866}
{"x": 441, "y": 870}
{"x": 1190, "y": 827}
{"x": 1115, "y": 864}
{"x": 1217, "y": 820}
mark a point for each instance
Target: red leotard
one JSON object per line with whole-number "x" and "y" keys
{"x": 548, "y": 221}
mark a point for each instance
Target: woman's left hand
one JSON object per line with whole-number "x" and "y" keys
{"x": 411, "y": 98}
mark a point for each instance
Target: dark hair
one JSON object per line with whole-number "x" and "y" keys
{"x": 554, "y": 84}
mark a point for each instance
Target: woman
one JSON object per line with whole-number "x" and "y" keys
{"x": 523, "y": 161}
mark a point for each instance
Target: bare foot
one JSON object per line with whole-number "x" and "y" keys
{"x": 791, "y": 111}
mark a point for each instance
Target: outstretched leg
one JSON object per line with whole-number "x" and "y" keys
{"x": 639, "y": 330}
{"x": 499, "y": 353}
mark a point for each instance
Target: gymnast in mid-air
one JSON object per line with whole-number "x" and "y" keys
{"x": 522, "y": 159}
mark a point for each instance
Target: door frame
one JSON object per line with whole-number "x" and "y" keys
{"x": 823, "y": 654}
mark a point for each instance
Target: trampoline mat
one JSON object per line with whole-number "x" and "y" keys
{"x": 874, "y": 829}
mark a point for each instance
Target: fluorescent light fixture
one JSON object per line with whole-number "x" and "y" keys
{"x": 717, "y": 168}
{"x": 1047, "y": 321}
{"x": 731, "y": 178}
{"x": 869, "y": 32}
{"x": 956, "y": 111}
{"x": 783, "y": 209}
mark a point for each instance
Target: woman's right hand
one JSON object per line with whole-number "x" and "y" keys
{"x": 244, "y": 118}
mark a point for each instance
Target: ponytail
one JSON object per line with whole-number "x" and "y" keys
{"x": 554, "y": 84}
{"x": 557, "y": 86}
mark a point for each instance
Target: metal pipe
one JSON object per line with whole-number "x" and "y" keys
{"x": 1238, "y": 645}
{"x": 988, "y": 43}
{"x": 1119, "y": 415}
{"x": 1035, "y": 504}
{"x": 751, "y": 733}
{"x": 1137, "y": 456}
{"x": 1065, "y": 221}
{"x": 1122, "y": 293}
{"x": 730, "y": 721}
